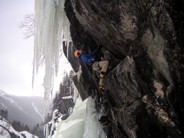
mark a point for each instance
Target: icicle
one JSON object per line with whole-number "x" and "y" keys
{"x": 51, "y": 24}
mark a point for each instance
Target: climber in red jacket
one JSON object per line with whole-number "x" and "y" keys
{"x": 90, "y": 59}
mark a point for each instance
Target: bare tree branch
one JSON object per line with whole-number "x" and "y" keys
{"x": 27, "y": 24}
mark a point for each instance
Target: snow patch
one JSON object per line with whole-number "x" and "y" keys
{"x": 28, "y": 135}
{"x": 37, "y": 111}
{"x": 3, "y": 106}
{"x": 2, "y": 93}
{"x": 82, "y": 123}
{"x": 73, "y": 126}
{"x": 6, "y": 129}
{"x": 93, "y": 128}
{"x": 67, "y": 97}
{"x": 79, "y": 73}
{"x": 12, "y": 101}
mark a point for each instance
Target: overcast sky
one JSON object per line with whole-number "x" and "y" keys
{"x": 16, "y": 53}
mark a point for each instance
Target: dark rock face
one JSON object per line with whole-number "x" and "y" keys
{"x": 68, "y": 51}
{"x": 125, "y": 75}
{"x": 143, "y": 40}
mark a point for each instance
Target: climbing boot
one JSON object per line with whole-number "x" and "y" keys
{"x": 101, "y": 84}
{"x": 102, "y": 75}
{"x": 101, "y": 88}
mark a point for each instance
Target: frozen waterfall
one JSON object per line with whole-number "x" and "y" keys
{"x": 82, "y": 123}
{"x": 51, "y": 28}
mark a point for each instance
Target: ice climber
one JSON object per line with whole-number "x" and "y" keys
{"x": 91, "y": 60}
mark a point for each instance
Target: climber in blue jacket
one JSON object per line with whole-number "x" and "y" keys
{"x": 91, "y": 60}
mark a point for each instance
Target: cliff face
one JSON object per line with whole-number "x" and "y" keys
{"x": 143, "y": 40}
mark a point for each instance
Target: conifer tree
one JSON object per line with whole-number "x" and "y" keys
{"x": 63, "y": 101}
